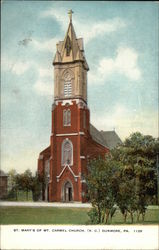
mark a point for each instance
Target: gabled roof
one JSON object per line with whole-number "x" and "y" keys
{"x": 46, "y": 150}
{"x": 96, "y": 135}
{"x": 108, "y": 139}
{"x": 111, "y": 138}
{"x": 75, "y": 47}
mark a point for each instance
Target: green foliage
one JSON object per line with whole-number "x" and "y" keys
{"x": 126, "y": 177}
{"x": 138, "y": 158}
{"x": 12, "y": 194}
{"x": 12, "y": 185}
{"x": 101, "y": 187}
{"x": 25, "y": 182}
{"x": 12, "y": 179}
{"x": 36, "y": 187}
{"x": 93, "y": 215}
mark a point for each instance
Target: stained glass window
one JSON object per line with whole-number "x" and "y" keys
{"x": 67, "y": 117}
{"x": 67, "y": 152}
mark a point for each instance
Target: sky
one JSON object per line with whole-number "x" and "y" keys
{"x": 121, "y": 48}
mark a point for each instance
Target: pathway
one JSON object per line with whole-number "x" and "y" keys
{"x": 44, "y": 204}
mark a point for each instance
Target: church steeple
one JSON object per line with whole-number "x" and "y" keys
{"x": 65, "y": 161}
{"x": 71, "y": 49}
{"x": 70, "y": 61}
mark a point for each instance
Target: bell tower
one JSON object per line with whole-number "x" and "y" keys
{"x": 70, "y": 120}
{"x": 70, "y": 67}
{"x": 73, "y": 139}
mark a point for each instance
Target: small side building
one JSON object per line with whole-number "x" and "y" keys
{"x": 3, "y": 184}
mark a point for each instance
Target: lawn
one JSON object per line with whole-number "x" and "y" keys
{"x": 49, "y": 215}
{"x": 43, "y": 215}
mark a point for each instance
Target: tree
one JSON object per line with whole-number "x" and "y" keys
{"x": 126, "y": 177}
{"x": 138, "y": 155}
{"x": 12, "y": 178}
{"x": 25, "y": 181}
{"x": 126, "y": 196}
{"x": 100, "y": 181}
{"x": 142, "y": 151}
{"x": 13, "y": 189}
{"x": 36, "y": 187}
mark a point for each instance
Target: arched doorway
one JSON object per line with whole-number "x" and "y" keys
{"x": 67, "y": 192}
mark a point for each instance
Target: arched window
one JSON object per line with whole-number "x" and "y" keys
{"x": 67, "y": 117}
{"x": 67, "y": 153}
{"x": 67, "y": 77}
{"x": 64, "y": 117}
{"x": 67, "y": 88}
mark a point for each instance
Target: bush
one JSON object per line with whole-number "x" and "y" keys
{"x": 36, "y": 195}
{"x": 36, "y": 191}
{"x": 12, "y": 195}
{"x": 93, "y": 215}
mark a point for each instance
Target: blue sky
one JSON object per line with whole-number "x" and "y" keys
{"x": 121, "y": 47}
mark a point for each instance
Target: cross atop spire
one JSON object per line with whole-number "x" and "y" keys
{"x": 70, "y": 12}
{"x": 71, "y": 49}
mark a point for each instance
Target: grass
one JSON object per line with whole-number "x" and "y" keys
{"x": 43, "y": 215}
{"x": 67, "y": 216}
{"x": 151, "y": 217}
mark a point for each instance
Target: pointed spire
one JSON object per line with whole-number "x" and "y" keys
{"x": 71, "y": 49}
{"x": 57, "y": 57}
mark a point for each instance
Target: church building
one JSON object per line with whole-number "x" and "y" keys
{"x": 73, "y": 141}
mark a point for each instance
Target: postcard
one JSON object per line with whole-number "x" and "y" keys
{"x": 80, "y": 142}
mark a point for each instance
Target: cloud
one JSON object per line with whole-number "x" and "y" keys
{"x": 125, "y": 63}
{"x": 57, "y": 14}
{"x": 45, "y": 72}
{"x": 20, "y": 68}
{"x": 16, "y": 67}
{"x": 88, "y": 29}
{"x": 47, "y": 45}
{"x": 44, "y": 84}
{"x": 44, "y": 87}
{"x": 126, "y": 122}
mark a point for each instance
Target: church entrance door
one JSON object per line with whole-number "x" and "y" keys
{"x": 67, "y": 192}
